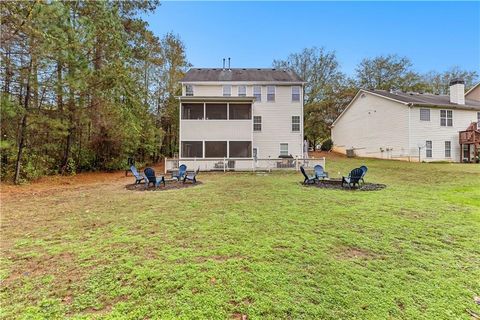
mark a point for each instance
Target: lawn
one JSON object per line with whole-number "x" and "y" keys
{"x": 248, "y": 245}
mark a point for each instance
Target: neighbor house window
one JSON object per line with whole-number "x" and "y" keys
{"x": 257, "y": 93}
{"x": 478, "y": 120}
{"x": 240, "y": 149}
{"x": 424, "y": 114}
{"x": 192, "y": 149}
{"x": 240, "y": 111}
{"x": 428, "y": 149}
{"x": 296, "y": 93}
{"x": 446, "y": 118}
{"x": 189, "y": 90}
{"x": 257, "y": 123}
{"x": 215, "y": 149}
{"x": 216, "y": 111}
{"x": 295, "y": 123}
{"x": 242, "y": 91}
{"x": 192, "y": 111}
{"x": 227, "y": 91}
{"x": 448, "y": 149}
{"x": 284, "y": 149}
{"x": 270, "y": 93}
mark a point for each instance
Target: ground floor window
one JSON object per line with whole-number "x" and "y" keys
{"x": 283, "y": 149}
{"x": 448, "y": 149}
{"x": 240, "y": 149}
{"x": 428, "y": 149}
{"x": 215, "y": 149}
{"x": 192, "y": 149}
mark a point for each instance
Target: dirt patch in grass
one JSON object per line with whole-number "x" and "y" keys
{"x": 347, "y": 253}
{"x": 336, "y": 184}
{"x": 168, "y": 186}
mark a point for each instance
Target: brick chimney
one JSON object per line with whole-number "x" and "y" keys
{"x": 457, "y": 91}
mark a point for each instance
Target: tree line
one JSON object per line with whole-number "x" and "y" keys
{"x": 85, "y": 85}
{"x": 328, "y": 90}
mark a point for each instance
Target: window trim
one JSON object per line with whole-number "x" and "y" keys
{"x": 258, "y": 123}
{"x": 427, "y": 149}
{"x": 230, "y": 91}
{"x": 274, "y": 93}
{"x": 283, "y": 143}
{"x": 299, "y": 94}
{"x": 429, "y": 114}
{"x": 299, "y": 124}
{"x": 449, "y": 149}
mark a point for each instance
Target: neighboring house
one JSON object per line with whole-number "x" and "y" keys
{"x": 473, "y": 93}
{"x": 410, "y": 126}
{"x": 241, "y": 113}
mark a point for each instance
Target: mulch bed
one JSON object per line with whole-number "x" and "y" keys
{"x": 336, "y": 184}
{"x": 171, "y": 185}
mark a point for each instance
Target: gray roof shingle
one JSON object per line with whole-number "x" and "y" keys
{"x": 427, "y": 99}
{"x": 241, "y": 74}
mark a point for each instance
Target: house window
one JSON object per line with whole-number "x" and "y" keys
{"x": 424, "y": 114}
{"x": 296, "y": 93}
{"x": 296, "y": 123}
{"x": 240, "y": 111}
{"x": 448, "y": 149}
{"x": 257, "y": 93}
{"x": 446, "y": 118}
{"x": 466, "y": 152}
{"x": 189, "y": 90}
{"x": 478, "y": 120}
{"x": 192, "y": 111}
{"x": 242, "y": 91}
{"x": 283, "y": 149}
{"x": 240, "y": 149}
{"x": 270, "y": 93}
{"x": 257, "y": 123}
{"x": 192, "y": 149}
{"x": 428, "y": 149}
{"x": 215, "y": 149}
{"x": 216, "y": 111}
{"x": 227, "y": 91}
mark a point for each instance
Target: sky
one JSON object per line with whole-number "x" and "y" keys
{"x": 434, "y": 35}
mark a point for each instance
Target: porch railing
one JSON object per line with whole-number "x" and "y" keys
{"x": 243, "y": 164}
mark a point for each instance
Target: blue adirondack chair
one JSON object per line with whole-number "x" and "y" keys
{"x": 191, "y": 176}
{"x": 319, "y": 172}
{"x": 152, "y": 179}
{"x": 365, "y": 169}
{"x": 181, "y": 172}
{"x": 353, "y": 178}
{"x": 308, "y": 179}
{"x": 138, "y": 176}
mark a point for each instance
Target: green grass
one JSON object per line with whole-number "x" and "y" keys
{"x": 247, "y": 244}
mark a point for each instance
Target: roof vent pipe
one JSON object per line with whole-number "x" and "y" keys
{"x": 228, "y": 63}
{"x": 223, "y": 63}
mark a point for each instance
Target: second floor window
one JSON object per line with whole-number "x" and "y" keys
{"x": 257, "y": 93}
{"x": 424, "y": 114}
{"x": 271, "y": 93}
{"x": 257, "y": 123}
{"x": 227, "y": 91}
{"x": 428, "y": 149}
{"x": 242, "y": 91}
{"x": 189, "y": 90}
{"x": 296, "y": 123}
{"x": 446, "y": 118}
{"x": 296, "y": 93}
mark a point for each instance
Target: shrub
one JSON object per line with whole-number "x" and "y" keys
{"x": 327, "y": 145}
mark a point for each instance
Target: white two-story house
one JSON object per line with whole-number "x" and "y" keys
{"x": 411, "y": 126}
{"x": 241, "y": 114}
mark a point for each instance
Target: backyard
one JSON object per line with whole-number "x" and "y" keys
{"x": 246, "y": 246}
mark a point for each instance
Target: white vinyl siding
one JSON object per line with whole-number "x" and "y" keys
{"x": 257, "y": 123}
{"x": 242, "y": 91}
{"x": 296, "y": 93}
{"x": 227, "y": 91}
{"x": 296, "y": 123}
{"x": 284, "y": 149}
{"x": 424, "y": 114}
{"x": 257, "y": 93}
{"x": 428, "y": 149}
{"x": 446, "y": 118}
{"x": 448, "y": 149}
{"x": 271, "y": 93}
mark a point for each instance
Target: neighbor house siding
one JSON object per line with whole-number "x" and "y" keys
{"x": 474, "y": 94}
{"x": 372, "y": 124}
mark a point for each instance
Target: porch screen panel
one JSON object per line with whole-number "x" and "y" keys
{"x": 192, "y": 149}
{"x": 240, "y": 149}
{"x": 240, "y": 111}
{"x": 192, "y": 111}
{"x": 215, "y": 149}
{"x": 216, "y": 111}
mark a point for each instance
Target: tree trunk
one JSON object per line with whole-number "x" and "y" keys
{"x": 23, "y": 131}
